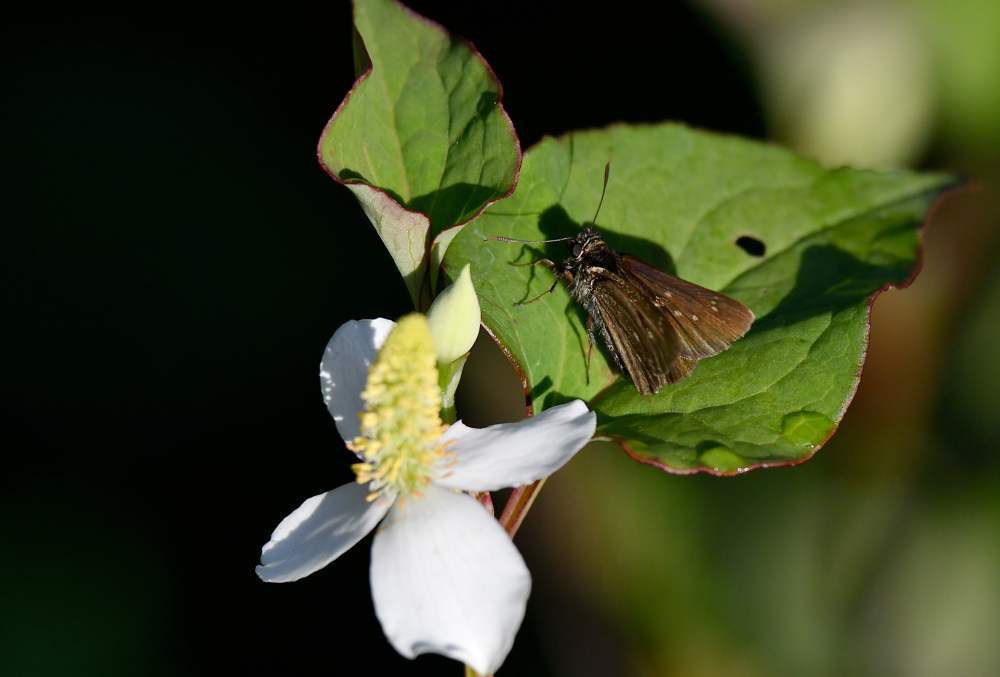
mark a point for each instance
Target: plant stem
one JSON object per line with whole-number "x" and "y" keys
{"x": 518, "y": 505}
{"x": 448, "y": 378}
{"x": 484, "y": 498}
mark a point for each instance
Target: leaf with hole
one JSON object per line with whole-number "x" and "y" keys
{"x": 806, "y": 248}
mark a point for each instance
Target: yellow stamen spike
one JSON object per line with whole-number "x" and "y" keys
{"x": 401, "y": 424}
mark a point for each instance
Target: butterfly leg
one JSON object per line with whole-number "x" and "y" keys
{"x": 590, "y": 347}
{"x": 548, "y": 263}
{"x": 544, "y": 293}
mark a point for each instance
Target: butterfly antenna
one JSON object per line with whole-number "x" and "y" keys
{"x": 501, "y": 238}
{"x": 607, "y": 171}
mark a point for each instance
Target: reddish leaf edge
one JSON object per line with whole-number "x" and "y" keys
{"x": 946, "y": 193}
{"x": 432, "y": 238}
{"x": 956, "y": 187}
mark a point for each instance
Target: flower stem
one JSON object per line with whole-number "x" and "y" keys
{"x": 484, "y": 498}
{"x": 448, "y": 378}
{"x": 518, "y": 505}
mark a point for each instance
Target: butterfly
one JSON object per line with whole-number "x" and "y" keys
{"x": 654, "y": 325}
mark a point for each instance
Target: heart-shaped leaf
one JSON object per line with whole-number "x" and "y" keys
{"x": 422, "y": 138}
{"x": 806, "y": 248}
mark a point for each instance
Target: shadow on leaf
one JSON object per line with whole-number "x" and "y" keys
{"x": 453, "y": 204}
{"x": 554, "y": 222}
{"x": 446, "y": 207}
{"x": 830, "y": 279}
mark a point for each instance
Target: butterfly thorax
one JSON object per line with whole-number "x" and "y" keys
{"x": 590, "y": 257}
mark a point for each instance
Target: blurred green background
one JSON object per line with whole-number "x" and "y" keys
{"x": 175, "y": 260}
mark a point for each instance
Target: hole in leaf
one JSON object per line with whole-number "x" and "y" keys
{"x": 751, "y": 245}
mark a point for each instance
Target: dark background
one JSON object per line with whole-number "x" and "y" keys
{"x": 174, "y": 261}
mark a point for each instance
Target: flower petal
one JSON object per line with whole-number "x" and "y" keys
{"x": 446, "y": 579}
{"x": 515, "y": 454}
{"x": 319, "y": 531}
{"x": 343, "y": 371}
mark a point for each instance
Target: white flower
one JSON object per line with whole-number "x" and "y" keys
{"x": 445, "y": 576}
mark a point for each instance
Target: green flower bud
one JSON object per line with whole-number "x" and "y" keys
{"x": 454, "y": 319}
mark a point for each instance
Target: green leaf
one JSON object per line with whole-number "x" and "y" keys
{"x": 421, "y": 139}
{"x": 680, "y": 199}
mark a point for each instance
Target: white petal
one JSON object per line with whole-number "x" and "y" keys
{"x": 446, "y": 579}
{"x": 515, "y": 454}
{"x": 318, "y": 532}
{"x": 343, "y": 371}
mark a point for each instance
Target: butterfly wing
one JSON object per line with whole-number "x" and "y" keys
{"x": 706, "y": 322}
{"x": 632, "y": 326}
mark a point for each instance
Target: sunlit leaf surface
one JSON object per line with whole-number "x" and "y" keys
{"x": 422, "y": 138}
{"x": 806, "y": 248}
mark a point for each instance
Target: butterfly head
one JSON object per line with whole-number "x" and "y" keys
{"x": 586, "y": 242}
{"x": 589, "y": 250}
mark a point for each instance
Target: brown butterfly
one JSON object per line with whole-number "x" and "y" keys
{"x": 656, "y": 326}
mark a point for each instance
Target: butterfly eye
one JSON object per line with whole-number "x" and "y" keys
{"x": 577, "y": 250}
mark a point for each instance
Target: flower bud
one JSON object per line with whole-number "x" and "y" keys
{"x": 454, "y": 319}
